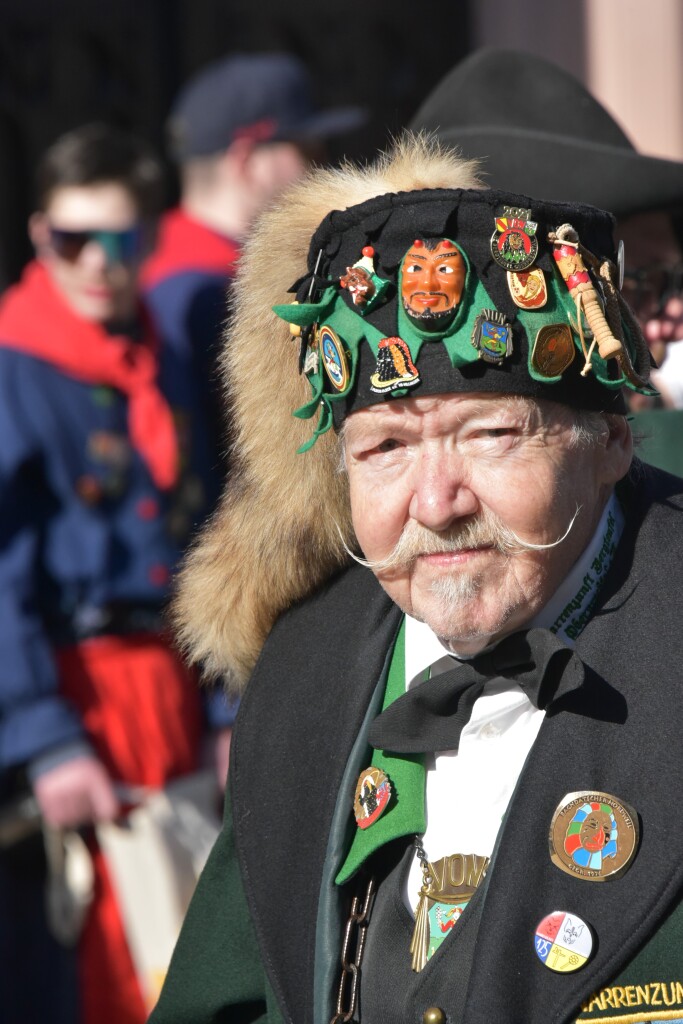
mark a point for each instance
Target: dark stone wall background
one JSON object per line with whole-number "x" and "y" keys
{"x": 66, "y": 62}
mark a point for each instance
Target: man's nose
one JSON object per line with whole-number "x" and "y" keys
{"x": 95, "y": 256}
{"x": 442, "y": 492}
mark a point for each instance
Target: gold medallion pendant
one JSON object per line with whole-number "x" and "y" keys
{"x": 447, "y": 887}
{"x": 593, "y": 836}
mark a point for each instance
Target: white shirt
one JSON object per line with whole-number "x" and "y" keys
{"x": 468, "y": 791}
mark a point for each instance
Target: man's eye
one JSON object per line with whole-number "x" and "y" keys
{"x": 387, "y": 446}
{"x": 414, "y": 268}
{"x": 497, "y": 432}
{"x": 445, "y": 268}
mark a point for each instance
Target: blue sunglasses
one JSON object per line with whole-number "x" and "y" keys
{"x": 119, "y": 246}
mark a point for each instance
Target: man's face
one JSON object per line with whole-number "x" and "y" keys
{"x": 432, "y": 281}
{"x": 448, "y": 470}
{"x": 654, "y": 277}
{"x": 95, "y": 274}
{"x": 274, "y": 166}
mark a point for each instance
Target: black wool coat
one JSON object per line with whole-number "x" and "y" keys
{"x": 263, "y": 936}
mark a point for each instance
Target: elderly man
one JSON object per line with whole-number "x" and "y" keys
{"x": 452, "y": 775}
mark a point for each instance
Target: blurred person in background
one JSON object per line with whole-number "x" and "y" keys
{"x": 539, "y": 131}
{"x": 93, "y": 699}
{"x": 240, "y": 131}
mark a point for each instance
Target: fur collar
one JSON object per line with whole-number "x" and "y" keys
{"x": 280, "y": 529}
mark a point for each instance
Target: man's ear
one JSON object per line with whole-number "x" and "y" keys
{"x": 618, "y": 452}
{"x": 237, "y": 156}
{"x": 39, "y": 232}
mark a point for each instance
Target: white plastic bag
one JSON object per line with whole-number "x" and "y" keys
{"x": 154, "y": 859}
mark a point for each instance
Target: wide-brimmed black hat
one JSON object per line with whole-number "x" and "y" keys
{"x": 538, "y": 131}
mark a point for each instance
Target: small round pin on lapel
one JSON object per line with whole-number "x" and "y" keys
{"x": 563, "y": 942}
{"x": 373, "y": 792}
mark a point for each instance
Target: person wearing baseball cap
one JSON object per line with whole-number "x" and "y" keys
{"x": 241, "y": 130}
{"x": 441, "y": 750}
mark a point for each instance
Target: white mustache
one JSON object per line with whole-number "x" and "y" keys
{"x": 485, "y": 531}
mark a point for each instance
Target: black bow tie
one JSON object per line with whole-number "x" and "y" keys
{"x": 431, "y": 715}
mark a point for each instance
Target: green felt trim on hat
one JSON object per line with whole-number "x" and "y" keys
{"x": 332, "y": 311}
{"x": 406, "y": 812}
{"x": 303, "y": 314}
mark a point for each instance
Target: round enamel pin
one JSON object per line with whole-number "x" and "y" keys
{"x": 563, "y": 942}
{"x": 553, "y": 350}
{"x": 514, "y": 245}
{"x": 334, "y": 358}
{"x": 373, "y": 792}
{"x": 593, "y": 836}
{"x": 527, "y": 288}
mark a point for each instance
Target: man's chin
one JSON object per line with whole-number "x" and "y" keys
{"x": 454, "y": 611}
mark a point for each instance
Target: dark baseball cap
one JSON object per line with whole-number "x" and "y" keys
{"x": 265, "y": 96}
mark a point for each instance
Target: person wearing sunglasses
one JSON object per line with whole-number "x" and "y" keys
{"x": 92, "y": 697}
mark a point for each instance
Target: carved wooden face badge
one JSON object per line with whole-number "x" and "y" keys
{"x": 432, "y": 282}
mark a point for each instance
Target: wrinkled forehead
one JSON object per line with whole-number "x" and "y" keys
{"x": 457, "y": 409}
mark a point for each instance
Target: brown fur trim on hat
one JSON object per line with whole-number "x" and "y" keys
{"x": 274, "y": 537}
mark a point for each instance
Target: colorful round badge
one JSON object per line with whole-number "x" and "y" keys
{"x": 334, "y": 358}
{"x": 593, "y": 836}
{"x": 553, "y": 350}
{"x": 563, "y": 942}
{"x": 514, "y": 245}
{"x": 373, "y": 792}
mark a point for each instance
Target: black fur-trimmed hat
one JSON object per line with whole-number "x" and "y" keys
{"x": 536, "y": 311}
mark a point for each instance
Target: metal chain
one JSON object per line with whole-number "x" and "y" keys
{"x": 424, "y": 864}
{"x": 352, "y": 955}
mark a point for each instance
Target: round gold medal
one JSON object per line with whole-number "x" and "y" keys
{"x": 593, "y": 836}
{"x": 553, "y": 351}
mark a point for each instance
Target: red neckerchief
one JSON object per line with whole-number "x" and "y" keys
{"x": 185, "y": 245}
{"x": 36, "y": 320}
